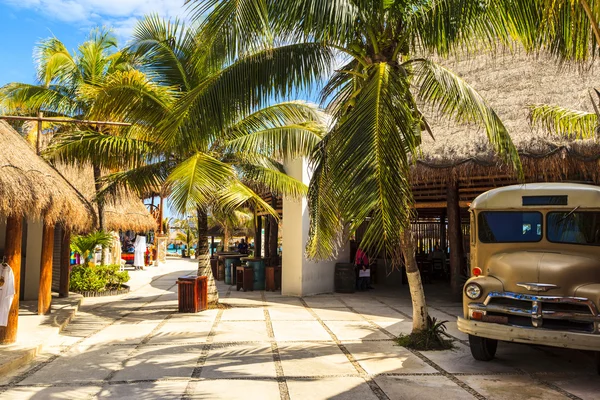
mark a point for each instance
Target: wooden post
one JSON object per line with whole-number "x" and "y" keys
{"x": 160, "y": 216}
{"x": 273, "y": 234}
{"x": 455, "y": 238}
{"x": 38, "y": 138}
{"x": 258, "y": 236}
{"x": 267, "y": 237}
{"x": 45, "y": 289}
{"x": 65, "y": 263}
{"x": 12, "y": 252}
{"x": 443, "y": 245}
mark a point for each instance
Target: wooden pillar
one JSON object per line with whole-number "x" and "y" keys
{"x": 443, "y": 231}
{"x": 12, "y": 252}
{"x": 267, "y": 237}
{"x": 45, "y": 289}
{"x": 455, "y": 238}
{"x": 160, "y": 215}
{"x": 258, "y": 236}
{"x": 273, "y": 234}
{"x": 212, "y": 244}
{"x": 65, "y": 263}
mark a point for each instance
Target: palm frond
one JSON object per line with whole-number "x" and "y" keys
{"x": 450, "y": 95}
{"x": 573, "y": 124}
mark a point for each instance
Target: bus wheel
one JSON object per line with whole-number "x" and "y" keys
{"x": 482, "y": 349}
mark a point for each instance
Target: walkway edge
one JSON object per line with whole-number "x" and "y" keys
{"x": 26, "y": 355}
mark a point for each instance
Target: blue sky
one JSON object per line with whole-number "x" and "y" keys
{"x": 25, "y": 22}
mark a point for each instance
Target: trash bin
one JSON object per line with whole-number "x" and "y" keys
{"x": 259, "y": 271}
{"x": 345, "y": 278}
{"x": 192, "y": 293}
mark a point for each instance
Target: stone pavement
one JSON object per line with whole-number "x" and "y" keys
{"x": 268, "y": 346}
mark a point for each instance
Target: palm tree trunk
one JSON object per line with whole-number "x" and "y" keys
{"x": 203, "y": 256}
{"x": 226, "y": 237}
{"x": 417, "y": 294}
{"x": 100, "y": 204}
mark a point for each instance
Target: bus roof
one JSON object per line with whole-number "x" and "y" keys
{"x": 539, "y": 195}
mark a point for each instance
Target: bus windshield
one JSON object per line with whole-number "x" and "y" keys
{"x": 510, "y": 226}
{"x": 580, "y": 227}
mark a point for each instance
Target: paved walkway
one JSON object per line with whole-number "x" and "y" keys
{"x": 268, "y": 346}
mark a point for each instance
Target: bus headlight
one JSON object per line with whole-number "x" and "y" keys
{"x": 473, "y": 291}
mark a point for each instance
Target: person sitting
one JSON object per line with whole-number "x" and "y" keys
{"x": 243, "y": 247}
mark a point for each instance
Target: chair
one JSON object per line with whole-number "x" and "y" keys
{"x": 439, "y": 267}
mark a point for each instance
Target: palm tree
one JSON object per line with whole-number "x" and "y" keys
{"x": 67, "y": 86}
{"x": 377, "y": 98}
{"x": 212, "y": 142}
{"x": 230, "y": 222}
{"x": 186, "y": 232}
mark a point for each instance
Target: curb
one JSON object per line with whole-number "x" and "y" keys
{"x": 29, "y": 354}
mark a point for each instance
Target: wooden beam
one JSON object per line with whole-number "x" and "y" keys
{"x": 63, "y": 120}
{"x": 455, "y": 238}
{"x": 12, "y": 252}
{"x": 65, "y": 263}
{"x": 45, "y": 289}
{"x": 441, "y": 204}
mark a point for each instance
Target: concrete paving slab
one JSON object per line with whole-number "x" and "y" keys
{"x": 203, "y": 316}
{"x": 49, "y": 393}
{"x": 421, "y": 388}
{"x": 239, "y": 361}
{"x": 380, "y": 313}
{"x": 355, "y": 330}
{"x": 174, "y": 332}
{"x": 509, "y": 387}
{"x": 395, "y": 328}
{"x": 239, "y": 389}
{"x": 337, "y": 314}
{"x": 238, "y": 302}
{"x": 459, "y": 360}
{"x": 241, "y": 331}
{"x": 121, "y": 334}
{"x": 544, "y": 359}
{"x": 314, "y": 359}
{"x": 167, "y": 390}
{"x": 323, "y": 301}
{"x": 387, "y": 358}
{"x": 243, "y": 314}
{"x": 586, "y": 386}
{"x": 159, "y": 362}
{"x": 80, "y": 364}
{"x": 290, "y": 314}
{"x": 299, "y": 331}
{"x": 331, "y": 389}
{"x": 283, "y": 301}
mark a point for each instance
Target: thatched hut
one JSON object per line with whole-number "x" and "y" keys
{"x": 125, "y": 211}
{"x": 459, "y": 164}
{"x": 38, "y": 207}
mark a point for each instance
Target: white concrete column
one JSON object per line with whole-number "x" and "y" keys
{"x": 301, "y": 277}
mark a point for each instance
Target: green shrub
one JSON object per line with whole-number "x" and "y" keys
{"x": 431, "y": 338}
{"x": 97, "y": 278}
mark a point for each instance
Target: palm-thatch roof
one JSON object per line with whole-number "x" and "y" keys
{"x": 32, "y": 188}
{"x": 124, "y": 211}
{"x": 510, "y": 83}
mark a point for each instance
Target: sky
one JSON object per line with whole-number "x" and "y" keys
{"x": 25, "y": 22}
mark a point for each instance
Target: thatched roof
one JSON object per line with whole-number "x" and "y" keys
{"x": 123, "y": 212}
{"x": 32, "y": 188}
{"x": 510, "y": 83}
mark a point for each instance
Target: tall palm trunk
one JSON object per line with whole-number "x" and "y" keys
{"x": 100, "y": 204}
{"x": 203, "y": 256}
{"x": 415, "y": 285}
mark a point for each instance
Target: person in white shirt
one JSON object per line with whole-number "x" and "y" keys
{"x": 7, "y": 292}
{"x": 140, "y": 251}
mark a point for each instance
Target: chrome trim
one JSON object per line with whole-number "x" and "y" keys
{"x": 538, "y": 287}
{"x": 537, "y": 312}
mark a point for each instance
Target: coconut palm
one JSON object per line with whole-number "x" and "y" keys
{"x": 215, "y": 144}
{"x": 67, "y": 84}
{"x": 378, "y": 97}
{"x": 230, "y": 222}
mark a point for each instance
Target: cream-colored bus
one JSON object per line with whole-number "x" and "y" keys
{"x": 535, "y": 268}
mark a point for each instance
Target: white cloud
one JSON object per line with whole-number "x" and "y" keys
{"x": 119, "y": 14}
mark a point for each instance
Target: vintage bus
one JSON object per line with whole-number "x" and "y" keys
{"x": 535, "y": 268}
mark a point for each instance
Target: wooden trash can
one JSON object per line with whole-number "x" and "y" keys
{"x": 273, "y": 278}
{"x": 245, "y": 278}
{"x": 192, "y": 293}
{"x": 345, "y": 278}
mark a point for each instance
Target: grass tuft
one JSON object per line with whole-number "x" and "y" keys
{"x": 431, "y": 338}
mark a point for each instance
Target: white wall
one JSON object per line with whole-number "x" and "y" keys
{"x": 301, "y": 277}
{"x": 35, "y": 230}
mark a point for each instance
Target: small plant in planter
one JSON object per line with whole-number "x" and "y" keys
{"x": 431, "y": 338}
{"x": 86, "y": 245}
